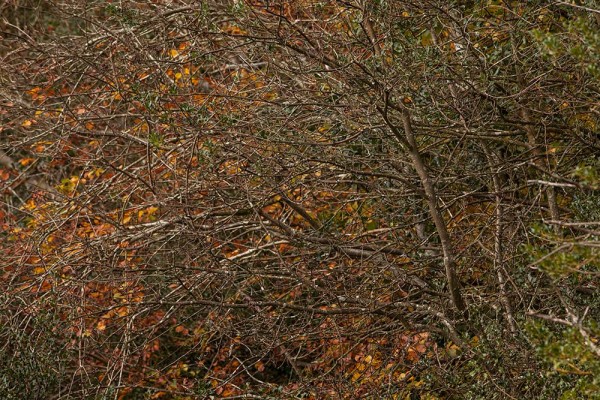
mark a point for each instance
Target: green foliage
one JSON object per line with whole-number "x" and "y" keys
{"x": 589, "y": 174}
{"x": 156, "y": 139}
{"x": 31, "y": 366}
{"x": 578, "y": 38}
{"x": 571, "y": 363}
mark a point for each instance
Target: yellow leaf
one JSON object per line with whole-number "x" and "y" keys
{"x": 426, "y": 39}
{"x": 151, "y": 210}
{"x": 26, "y": 123}
{"x": 452, "y": 350}
{"x": 173, "y": 53}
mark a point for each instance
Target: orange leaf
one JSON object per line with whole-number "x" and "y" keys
{"x": 260, "y": 366}
{"x": 412, "y": 355}
{"x": 101, "y": 325}
{"x": 122, "y": 311}
{"x": 26, "y": 161}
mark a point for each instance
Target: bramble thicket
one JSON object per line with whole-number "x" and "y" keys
{"x": 299, "y": 199}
